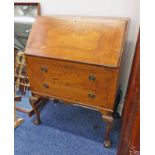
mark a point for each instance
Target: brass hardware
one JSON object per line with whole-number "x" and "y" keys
{"x": 45, "y": 85}
{"x": 91, "y": 95}
{"x": 92, "y": 77}
{"x": 44, "y": 69}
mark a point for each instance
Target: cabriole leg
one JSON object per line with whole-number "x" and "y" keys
{"x": 33, "y": 102}
{"x": 109, "y": 124}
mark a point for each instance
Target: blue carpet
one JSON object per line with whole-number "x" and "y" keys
{"x": 65, "y": 130}
{"x": 24, "y": 104}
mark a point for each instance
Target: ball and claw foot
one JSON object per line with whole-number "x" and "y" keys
{"x": 37, "y": 122}
{"x": 107, "y": 144}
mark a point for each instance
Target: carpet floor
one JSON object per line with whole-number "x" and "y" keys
{"x": 65, "y": 130}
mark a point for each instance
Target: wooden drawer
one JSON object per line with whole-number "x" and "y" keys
{"x": 76, "y": 82}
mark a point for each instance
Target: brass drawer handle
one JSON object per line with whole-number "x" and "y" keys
{"x": 44, "y": 69}
{"x": 91, "y": 95}
{"x": 92, "y": 77}
{"x": 45, "y": 85}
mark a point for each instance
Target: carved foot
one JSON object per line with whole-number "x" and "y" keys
{"x": 109, "y": 124}
{"x": 37, "y": 122}
{"x": 107, "y": 144}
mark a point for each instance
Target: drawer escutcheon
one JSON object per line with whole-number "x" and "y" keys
{"x": 44, "y": 69}
{"x": 45, "y": 85}
{"x": 91, "y": 95}
{"x": 92, "y": 77}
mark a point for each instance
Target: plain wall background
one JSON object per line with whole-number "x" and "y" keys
{"x": 114, "y": 8}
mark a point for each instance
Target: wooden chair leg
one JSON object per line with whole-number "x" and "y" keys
{"x": 33, "y": 102}
{"x": 17, "y": 121}
{"x": 109, "y": 124}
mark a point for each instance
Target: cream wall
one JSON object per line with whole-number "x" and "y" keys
{"x": 120, "y": 8}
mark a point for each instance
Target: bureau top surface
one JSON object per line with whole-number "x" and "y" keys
{"x": 91, "y": 40}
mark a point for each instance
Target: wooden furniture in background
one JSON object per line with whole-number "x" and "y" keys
{"x": 21, "y": 78}
{"x": 77, "y": 60}
{"x": 24, "y": 16}
{"x": 22, "y": 83}
{"x": 130, "y": 133}
{"x": 17, "y": 121}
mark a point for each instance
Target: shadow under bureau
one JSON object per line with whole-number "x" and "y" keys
{"x": 77, "y": 60}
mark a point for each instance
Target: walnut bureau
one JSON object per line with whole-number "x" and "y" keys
{"x": 77, "y": 60}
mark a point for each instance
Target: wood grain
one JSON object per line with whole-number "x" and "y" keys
{"x": 81, "y": 39}
{"x": 70, "y": 80}
{"x": 77, "y": 60}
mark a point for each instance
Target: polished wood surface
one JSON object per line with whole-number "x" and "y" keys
{"x": 130, "y": 133}
{"x": 71, "y": 81}
{"x": 82, "y": 39}
{"x": 76, "y": 60}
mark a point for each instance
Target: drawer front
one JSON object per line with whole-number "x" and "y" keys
{"x": 82, "y": 83}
